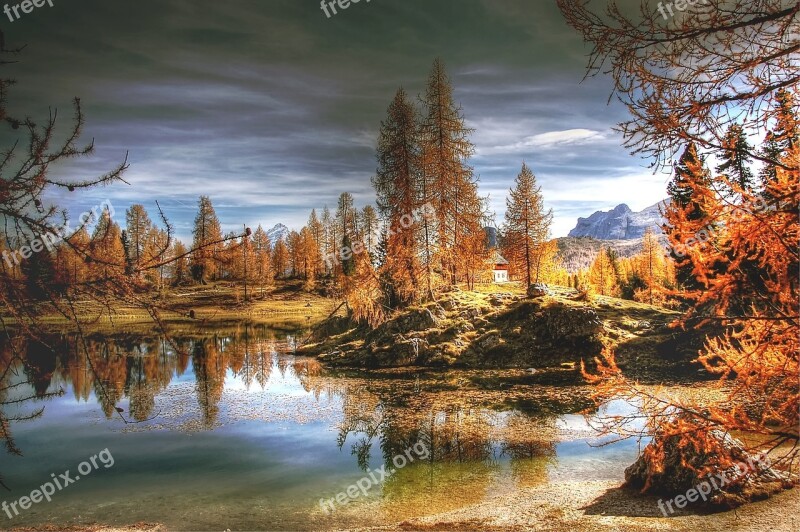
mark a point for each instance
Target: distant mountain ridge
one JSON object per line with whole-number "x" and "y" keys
{"x": 620, "y": 223}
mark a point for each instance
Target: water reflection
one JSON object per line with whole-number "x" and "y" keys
{"x": 474, "y": 451}
{"x": 243, "y": 384}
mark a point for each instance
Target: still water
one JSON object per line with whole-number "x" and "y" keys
{"x": 219, "y": 429}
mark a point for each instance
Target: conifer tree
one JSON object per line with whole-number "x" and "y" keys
{"x": 687, "y": 215}
{"x": 71, "y": 266}
{"x": 280, "y": 259}
{"x": 179, "y": 267}
{"x": 346, "y": 216}
{"x": 309, "y": 257}
{"x": 294, "y": 246}
{"x": 328, "y": 237}
{"x": 316, "y": 244}
{"x": 780, "y": 143}
{"x": 527, "y": 225}
{"x": 736, "y": 159}
{"x": 369, "y": 223}
{"x": 652, "y": 267}
{"x": 154, "y": 256}
{"x": 263, "y": 268}
{"x": 137, "y": 231}
{"x": 448, "y": 181}
{"x": 206, "y": 245}
{"x": 348, "y": 259}
{"x": 602, "y": 275}
{"x": 396, "y": 184}
{"x": 107, "y": 251}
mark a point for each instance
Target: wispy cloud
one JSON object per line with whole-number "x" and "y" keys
{"x": 549, "y": 140}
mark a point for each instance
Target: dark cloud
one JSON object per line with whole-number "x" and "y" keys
{"x": 273, "y": 109}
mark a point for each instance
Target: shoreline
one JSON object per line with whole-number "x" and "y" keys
{"x": 593, "y": 506}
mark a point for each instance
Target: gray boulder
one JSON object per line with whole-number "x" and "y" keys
{"x": 538, "y": 290}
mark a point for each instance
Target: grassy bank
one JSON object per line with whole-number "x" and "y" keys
{"x": 285, "y": 305}
{"x": 499, "y": 326}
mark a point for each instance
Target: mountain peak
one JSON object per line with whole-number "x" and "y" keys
{"x": 278, "y": 232}
{"x": 620, "y": 223}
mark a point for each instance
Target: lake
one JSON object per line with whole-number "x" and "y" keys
{"x": 226, "y": 428}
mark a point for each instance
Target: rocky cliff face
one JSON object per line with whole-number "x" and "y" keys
{"x": 620, "y": 223}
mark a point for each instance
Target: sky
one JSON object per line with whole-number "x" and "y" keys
{"x": 272, "y": 108}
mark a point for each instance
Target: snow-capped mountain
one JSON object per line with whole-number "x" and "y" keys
{"x": 620, "y": 223}
{"x": 278, "y": 232}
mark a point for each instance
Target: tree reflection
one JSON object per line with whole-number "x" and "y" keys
{"x": 472, "y": 450}
{"x": 209, "y": 371}
{"x": 21, "y": 383}
{"x": 135, "y": 368}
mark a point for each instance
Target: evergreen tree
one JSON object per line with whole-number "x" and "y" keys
{"x": 689, "y": 190}
{"x": 348, "y": 258}
{"x": 736, "y": 159}
{"x": 328, "y": 237}
{"x": 771, "y": 150}
{"x": 38, "y": 271}
{"x": 280, "y": 259}
{"x": 613, "y": 258}
{"x": 787, "y": 122}
{"x": 137, "y": 230}
{"x": 448, "y": 181}
{"x": 316, "y": 244}
{"x": 107, "y": 251}
{"x": 263, "y": 268}
{"x": 690, "y": 174}
{"x": 396, "y": 184}
{"x": 602, "y": 275}
{"x": 207, "y": 244}
{"x": 527, "y": 225}
{"x": 368, "y": 221}
{"x": 179, "y": 267}
{"x": 782, "y": 141}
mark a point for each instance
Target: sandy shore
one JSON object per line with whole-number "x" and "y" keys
{"x": 604, "y": 507}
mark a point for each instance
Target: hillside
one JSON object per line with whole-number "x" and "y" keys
{"x": 579, "y": 253}
{"x": 549, "y": 335}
